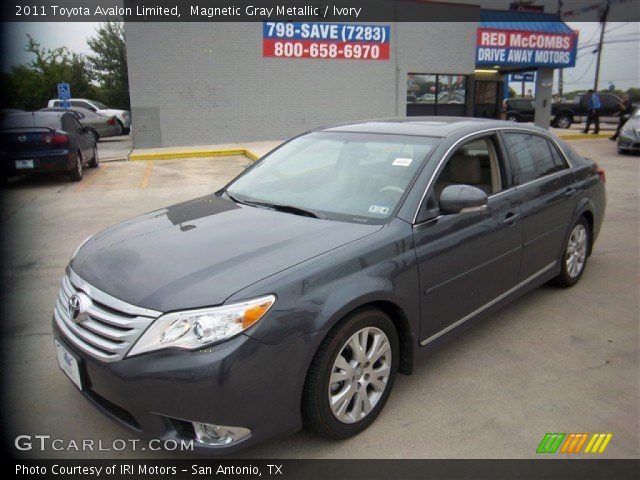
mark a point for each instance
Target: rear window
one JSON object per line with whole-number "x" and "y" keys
{"x": 532, "y": 157}
{"x": 31, "y": 121}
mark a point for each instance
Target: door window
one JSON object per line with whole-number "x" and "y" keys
{"x": 531, "y": 157}
{"x": 475, "y": 163}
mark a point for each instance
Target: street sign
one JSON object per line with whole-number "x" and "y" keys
{"x": 64, "y": 91}
{"x": 522, "y": 77}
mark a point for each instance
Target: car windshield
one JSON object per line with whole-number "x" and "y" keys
{"x": 100, "y": 105}
{"x": 357, "y": 177}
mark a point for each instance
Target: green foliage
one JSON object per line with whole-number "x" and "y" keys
{"x": 32, "y": 85}
{"x": 102, "y": 76}
{"x": 109, "y": 64}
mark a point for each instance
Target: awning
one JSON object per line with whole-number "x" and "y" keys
{"x": 524, "y": 21}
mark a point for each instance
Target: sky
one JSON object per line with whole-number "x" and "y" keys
{"x": 620, "y": 60}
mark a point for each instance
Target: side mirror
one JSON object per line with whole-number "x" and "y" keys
{"x": 86, "y": 129}
{"x": 462, "y": 199}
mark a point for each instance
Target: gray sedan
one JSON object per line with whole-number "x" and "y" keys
{"x": 101, "y": 126}
{"x": 629, "y": 138}
{"x": 295, "y": 294}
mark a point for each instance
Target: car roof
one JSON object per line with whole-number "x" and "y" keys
{"x": 47, "y": 113}
{"x": 427, "y": 126}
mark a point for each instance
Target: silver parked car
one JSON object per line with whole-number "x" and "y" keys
{"x": 629, "y": 138}
{"x": 101, "y": 126}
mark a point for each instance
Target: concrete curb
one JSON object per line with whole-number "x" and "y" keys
{"x": 195, "y": 153}
{"x": 583, "y": 136}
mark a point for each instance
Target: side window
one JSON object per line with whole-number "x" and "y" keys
{"x": 56, "y": 103}
{"x": 531, "y": 157}
{"x": 475, "y": 163}
{"x": 558, "y": 159}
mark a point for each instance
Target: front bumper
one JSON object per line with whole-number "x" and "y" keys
{"x": 241, "y": 382}
{"x": 629, "y": 143}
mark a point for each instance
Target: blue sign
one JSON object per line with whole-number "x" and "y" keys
{"x": 64, "y": 91}
{"x": 65, "y": 104}
{"x": 522, "y": 77}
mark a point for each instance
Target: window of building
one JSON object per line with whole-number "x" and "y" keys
{"x": 436, "y": 89}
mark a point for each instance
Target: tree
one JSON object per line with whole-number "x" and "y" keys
{"x": 109, "y": 64}
{"x": 32, "y": 85}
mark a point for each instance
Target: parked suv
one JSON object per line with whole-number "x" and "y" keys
{"x": 123, "y": 116}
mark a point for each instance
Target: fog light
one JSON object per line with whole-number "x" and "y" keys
{"x": 211, "y": 434}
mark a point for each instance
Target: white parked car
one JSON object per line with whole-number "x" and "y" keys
{"x": 123, "y": 116}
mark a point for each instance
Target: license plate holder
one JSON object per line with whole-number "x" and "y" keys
{"x": 24, "y": 164}
{"x": 70, "y": 364}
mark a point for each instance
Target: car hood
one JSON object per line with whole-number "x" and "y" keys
{"x": 633, "y": 124}
{"x": 198, "y": 253}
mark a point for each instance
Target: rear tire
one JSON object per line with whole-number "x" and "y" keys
{"x": 346, "y": 387}
{"x": 76, "y": 173}
{"x": 124, "y": 131}
{"x": 575, "y": 254}
{"x": 95, "y": 161}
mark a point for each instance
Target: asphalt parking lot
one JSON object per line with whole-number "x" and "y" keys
{"x": 553, "y": 361}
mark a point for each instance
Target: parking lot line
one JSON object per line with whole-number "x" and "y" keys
{"x": 89, "y": 181}
{"x": 147, "y": 174}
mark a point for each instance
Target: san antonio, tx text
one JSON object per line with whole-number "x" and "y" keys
{"x": 142, "y": 469}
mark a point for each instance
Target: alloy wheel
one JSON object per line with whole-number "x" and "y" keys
{"x": 576, "y": 253}
{"x": 360, "y": 375}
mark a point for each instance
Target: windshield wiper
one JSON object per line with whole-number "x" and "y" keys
{"x": 286, "y": 208}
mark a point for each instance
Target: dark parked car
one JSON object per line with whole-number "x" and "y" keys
{"x": 295, "y": 293}
{"x": 46, "y": 142}
{"x": 519, "y": 109}
{"x": 563, "y": 114}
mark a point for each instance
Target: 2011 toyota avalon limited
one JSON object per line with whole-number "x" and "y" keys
{"x": 295, "y": 293}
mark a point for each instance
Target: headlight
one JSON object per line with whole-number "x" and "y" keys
{"x": 193, "y": 329}
{"x": 75, "y": 252}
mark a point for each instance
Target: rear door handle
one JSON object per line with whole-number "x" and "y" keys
{"x": 510, "y": 218}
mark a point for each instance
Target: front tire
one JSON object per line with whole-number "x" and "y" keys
{"x": 563, "y": 121}
{"x": 575, "y": 254}
{"x": 351, "y": 375}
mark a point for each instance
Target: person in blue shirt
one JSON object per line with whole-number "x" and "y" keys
{"x": 593, "y": 114}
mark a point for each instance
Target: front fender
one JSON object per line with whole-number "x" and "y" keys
{"x": 313, "y": 296}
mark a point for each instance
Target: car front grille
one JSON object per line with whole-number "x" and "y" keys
{"x": 108, "y": 328}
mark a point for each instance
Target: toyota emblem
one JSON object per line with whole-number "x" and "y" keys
{"x": 79, "y": 304}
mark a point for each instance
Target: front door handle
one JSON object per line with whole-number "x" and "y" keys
{"x": 510, "y": 218}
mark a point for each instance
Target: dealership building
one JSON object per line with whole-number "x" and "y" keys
{"x": 209, "y": 83}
